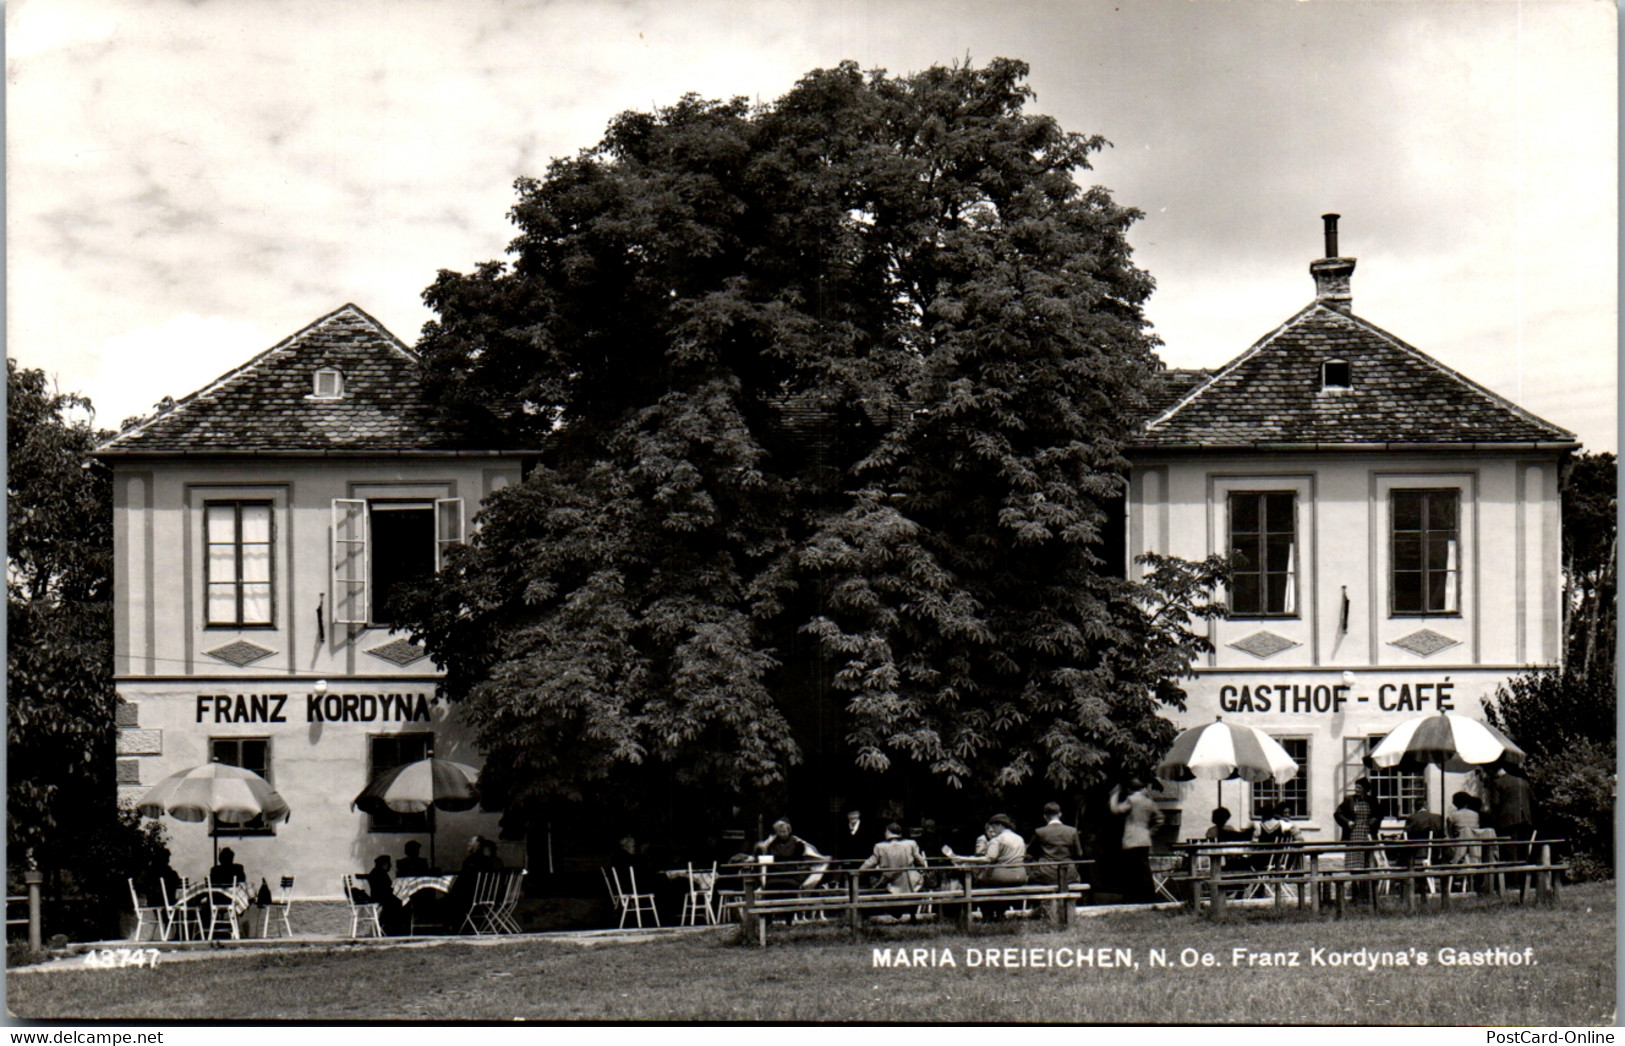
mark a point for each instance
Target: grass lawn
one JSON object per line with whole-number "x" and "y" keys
{"x": 821, "y": 975}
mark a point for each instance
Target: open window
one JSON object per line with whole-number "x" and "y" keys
{"x": 382, "y": 545}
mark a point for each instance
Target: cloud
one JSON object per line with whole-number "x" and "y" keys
{"x": 268, "y": 161}
{"x": 183, "y": 354}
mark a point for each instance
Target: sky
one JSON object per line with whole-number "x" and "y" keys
{"x": 190, "y": 182}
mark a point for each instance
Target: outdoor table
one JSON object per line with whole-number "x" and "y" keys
{"x": 236, "y": 895}
{"x": 202, "y": 895}
{"x": 408, "y": 885}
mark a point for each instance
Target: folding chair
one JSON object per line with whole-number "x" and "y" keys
{"x": 484, "y": 903}
{"x": 701, "y": 890}
{"x": 279, "y": 905}
{"x": 632, "y": 902}
{"x": 363, "y": 914}
{"x": 617, "y": 902}
{"x": 157, "y": 914}
{"x": 222, "y": 902}
{"x": 502, "y": 913}
{"x": 180, "y": 909}
{"x": 1164, "y": 867}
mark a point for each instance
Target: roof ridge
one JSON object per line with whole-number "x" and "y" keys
{"x": 1213, "y": 378}
{"x": 193, "y": 397}
{"x": 1424, "y": 358}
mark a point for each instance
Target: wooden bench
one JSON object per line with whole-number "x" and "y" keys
{"x": 1299, "y": 865}
{"x": 850, "y": 903}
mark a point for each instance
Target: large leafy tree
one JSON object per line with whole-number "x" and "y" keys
{"x": 830, "y": 397}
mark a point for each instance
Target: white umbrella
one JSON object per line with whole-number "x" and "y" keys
{"x": 1223, "y": 751}
{"x": 218, "y": 789}
{"x": 1449, "y": 741}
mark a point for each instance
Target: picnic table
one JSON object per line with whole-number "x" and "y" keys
{"x": 846, "y": 898}
{"x": 1311, "y": 871}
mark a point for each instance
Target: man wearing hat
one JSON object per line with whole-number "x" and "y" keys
{"x": 1005, "y": 858}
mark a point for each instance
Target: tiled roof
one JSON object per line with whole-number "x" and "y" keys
{"x": 267, "y": 404}
{"x": 1272, "y": 394}
{"x": 1171, "y": 386}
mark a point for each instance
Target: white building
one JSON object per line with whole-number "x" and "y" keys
{"x": 259, "y": 527}
{"x": 1398, "y": 528}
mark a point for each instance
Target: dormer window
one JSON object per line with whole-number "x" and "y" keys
{"x": 1336, "y": 374}
{"x": 329, "y": 384}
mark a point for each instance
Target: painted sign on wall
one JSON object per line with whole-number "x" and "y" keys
{"x": 318, "y": 708}
{"x": 1325, "y": 698}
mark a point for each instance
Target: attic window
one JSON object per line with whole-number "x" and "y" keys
{"x": 1336, "y": 374}
{"x": 329, "y": 384}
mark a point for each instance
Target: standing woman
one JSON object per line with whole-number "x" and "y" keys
{"x": 1141, "y": 820}
{"x": 1359, "y": 816}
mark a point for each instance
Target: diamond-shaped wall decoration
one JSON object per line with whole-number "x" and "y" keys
{"x": 1425, "y": 642}
{"x": 241, "y": 653}
{"x": 400, "y": 652}
{"x": 1263, "y": 644}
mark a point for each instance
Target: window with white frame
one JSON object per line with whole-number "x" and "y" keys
{"x": 1400, "y": 793}
{"x": 250, "y": 753}
{"x": 1294, "y": 793}
{"x": 1263, "y": 547}
{"x": 382, "y": 545}
{"x": 237, "y": 564}
{"x": 1424, "y": 561}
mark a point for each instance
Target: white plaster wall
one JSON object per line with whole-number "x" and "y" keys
{"x": 318, "y": 767}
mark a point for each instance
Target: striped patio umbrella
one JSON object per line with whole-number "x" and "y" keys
{"x": 1223, "y": 751}
{"x": 1449, "y": 741}
{"x": 416, "y": 787}
{"x": 1454, "y": 742}
{"x": 226, "y": 792}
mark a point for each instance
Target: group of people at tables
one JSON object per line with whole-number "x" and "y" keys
{"x": 1361, "y": 815}
{"x": 898, "y": 864}
{"x": 397, "y": 916}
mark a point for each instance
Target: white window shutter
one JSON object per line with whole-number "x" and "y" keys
{"x": 349, "y": 561}
{"x": 448, "y": 527}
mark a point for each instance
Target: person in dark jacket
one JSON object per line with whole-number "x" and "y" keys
{"x": 413, "y": 863}
{"x": 1514, "y": 815}
{"x": 1055, "y": 842}
{"x": 227, "y": 872}
{"x": 381, "y": 889}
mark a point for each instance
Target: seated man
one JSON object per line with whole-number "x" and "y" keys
{"x": 1055, "y": 842}
{"x": 413, "y": 864}
{"x": 1221, "y": 832}
{"x": 227, "y": 872}
{"x": 381, "y": 889}
{"x": 1005, "y": 857}
{"x": 1422, "y": 825}
{"x": 782, "y": 846}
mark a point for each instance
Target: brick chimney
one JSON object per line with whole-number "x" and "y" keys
{"x": 1332, "y": 273}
